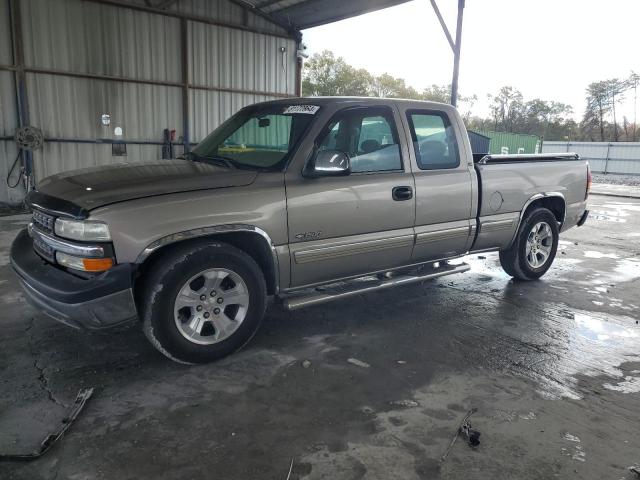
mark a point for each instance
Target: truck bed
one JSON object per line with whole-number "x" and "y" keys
{"x": 507, "y": 183}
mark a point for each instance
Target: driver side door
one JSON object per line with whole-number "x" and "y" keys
{"x": 342, "y": 226}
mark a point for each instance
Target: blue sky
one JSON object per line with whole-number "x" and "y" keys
{"x": 551, "y": 49}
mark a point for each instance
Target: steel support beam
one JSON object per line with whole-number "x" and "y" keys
{"x": 313, "y": 13}
{"x": 197, "y": 18}
{"x": 115, "y": 78}
{"x": 455, "y": 46}
{"x": 256, "y": 10}
{"x": 22, "y": 97}
{"x": 267, "y": 3}
{"x": 298, "y": 86}
{"x": 163, "y": 4}
{"x": 456, "y": 55}
{"x": 445, "y": 29}
{"x": 186, "y": 104}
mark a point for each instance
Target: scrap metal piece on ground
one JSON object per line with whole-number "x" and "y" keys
{"x": 290, "y": 470}
{"x": 635, "y": 469}
{"x": 81, "y": 399}
{"x": 472, "y": 436}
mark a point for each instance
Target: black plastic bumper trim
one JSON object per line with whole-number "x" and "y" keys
{"x": 59, "y": 285}
{"x": 583, "y": 218}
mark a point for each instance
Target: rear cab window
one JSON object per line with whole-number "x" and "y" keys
{"x": 434, "y": 141}
{"x": 367, "y": 135}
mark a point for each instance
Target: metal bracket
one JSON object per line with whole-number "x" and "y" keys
{"x": 81, "y": 399}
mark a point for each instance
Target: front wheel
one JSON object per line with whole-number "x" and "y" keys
{"x": 534, "y": 248}
{"x": 203, "y": 303}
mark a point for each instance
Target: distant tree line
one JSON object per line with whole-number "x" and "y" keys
{"x": 326, "y": 75}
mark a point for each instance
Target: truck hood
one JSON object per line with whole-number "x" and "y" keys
{"x": 98, "y": 186}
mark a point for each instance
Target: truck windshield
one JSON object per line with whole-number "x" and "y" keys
{"x": 256, "y": 138}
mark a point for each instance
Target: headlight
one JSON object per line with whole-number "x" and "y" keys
{"x": 83, "y": 231}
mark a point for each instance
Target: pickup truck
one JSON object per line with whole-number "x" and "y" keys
{"x": 301, "y": 200}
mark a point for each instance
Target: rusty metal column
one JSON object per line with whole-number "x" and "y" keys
{"x": 456, "y": 55}
{"x": 20, "y": 77}
{"x": 186, "y": 105}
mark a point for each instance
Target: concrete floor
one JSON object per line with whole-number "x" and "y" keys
{"x": 553, "y": 367}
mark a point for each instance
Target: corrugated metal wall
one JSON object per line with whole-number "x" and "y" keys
{"x": 479, "y": 143}
{"x": 70, "y": 44}
{"x": 604, "y": 157}
{"x": 512, "y": 143}
{"x": 215, "y": 62}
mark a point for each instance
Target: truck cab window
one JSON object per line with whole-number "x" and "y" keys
{"x": 368, "y": 136}
{"x": 434, "y": 141}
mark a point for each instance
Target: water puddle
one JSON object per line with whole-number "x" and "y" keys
{"x": 578, "y": 453}
{"x": 606, "y": 216}
{"x": 595, "y": 254}
{"x": 622, "y": 208}
{"x": 485, "y": 264}
{"x": 627, "y": 269}
{"x": 593, "y": 344}
{"x": 601, "y": 330}
{"x": 630, "y": 384}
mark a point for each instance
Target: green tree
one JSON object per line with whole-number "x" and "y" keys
{"x": 388, "y": 86}
{"x": 507, "y": 108}
{"x": 633, "y": 82}
{"x": 598, "y": 107}
{"x": 616, "y": 88}
{"x": 437, "y": 93}
{"x": 542, "y": 117}
{"x": 326, "y": 75}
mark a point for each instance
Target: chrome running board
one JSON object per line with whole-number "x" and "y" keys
{"x": 367, "y": 284}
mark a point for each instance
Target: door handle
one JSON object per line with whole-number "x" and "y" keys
{"x": 402, "y": 193}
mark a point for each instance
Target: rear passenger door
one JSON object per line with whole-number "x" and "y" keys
{"x": 443, "y": 185}
{"x": 355, "y": 224}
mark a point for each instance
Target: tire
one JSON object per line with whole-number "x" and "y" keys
{"x": 534, "y": 248}
{"x": 220, "y": 307}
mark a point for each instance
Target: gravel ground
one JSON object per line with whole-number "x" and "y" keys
{"x": 615, "y": 179}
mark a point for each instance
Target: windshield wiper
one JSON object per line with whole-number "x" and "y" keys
{"x": 227, "y": 162}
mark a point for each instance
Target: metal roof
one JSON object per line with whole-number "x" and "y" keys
{"x": 302, "y": 14}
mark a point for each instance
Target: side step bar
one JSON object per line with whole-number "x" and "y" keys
{"x": 334, "y": 292}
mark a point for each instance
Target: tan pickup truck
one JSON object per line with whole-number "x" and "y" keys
{"x": 351, "y": 194}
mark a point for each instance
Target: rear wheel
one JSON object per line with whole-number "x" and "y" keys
{"x": 534, "y": 248}
{"x": 203, "y": 303}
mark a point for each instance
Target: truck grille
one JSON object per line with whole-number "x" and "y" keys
{"x": 44, "y": 250}
{"x": 43, "y": 221}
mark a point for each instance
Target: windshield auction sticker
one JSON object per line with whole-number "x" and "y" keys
{"x": 308, "y": 109}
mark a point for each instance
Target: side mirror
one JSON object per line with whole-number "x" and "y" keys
{"x": 328, "y": 163}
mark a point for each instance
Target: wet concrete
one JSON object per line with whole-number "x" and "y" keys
{"x": 371, "y": 387}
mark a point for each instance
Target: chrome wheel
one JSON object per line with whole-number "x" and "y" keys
{"x": 211, "y": 305}
{"x": 539, "y": 244}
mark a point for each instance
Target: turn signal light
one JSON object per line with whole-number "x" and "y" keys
{"x": 97, "y": 264}
{"x": 589, "y": 182}
{"x": 84, "y": 264}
